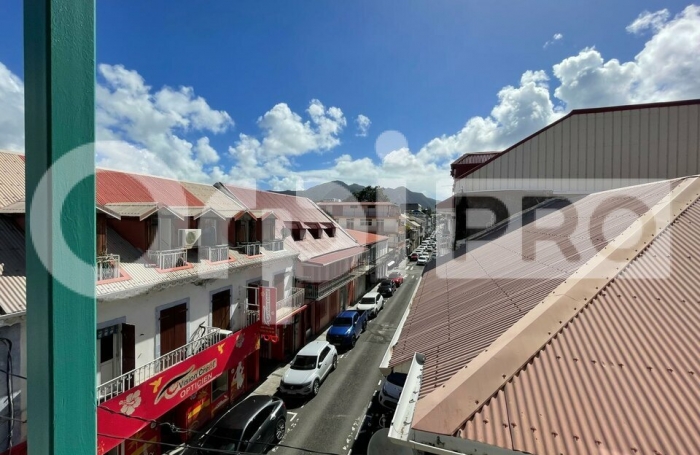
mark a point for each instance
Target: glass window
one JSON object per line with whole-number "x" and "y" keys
{"x": 304, "y": 362}
{"x": 324, "y": 353}
{"x": 219, "y": 386}
{"x": 106, "y": 348}
{"x": 343, "y": 322}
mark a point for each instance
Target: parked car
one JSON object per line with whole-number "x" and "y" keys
{"x": 391, "y": 390}
{"x": 386, "y": 287}
{"x": 414, "y": 256}
{"x": 347, "y": 327}
{"x": 397, "y": 278}
{"x": 252, "y": 426}
{"x": 372, "y": 302}
{"x": 423, "y": 259}
{"x": 309, "y": 368}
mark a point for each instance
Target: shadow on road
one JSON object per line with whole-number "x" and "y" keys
{"x": 377, "y": 417}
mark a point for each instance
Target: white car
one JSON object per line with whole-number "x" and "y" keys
{"x": 372, "y": 302}
{"x": 423, "y": 259}
{"x": 309, "y": 368}
{"x": 391, "y": 390}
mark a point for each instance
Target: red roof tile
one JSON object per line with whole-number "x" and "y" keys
{"x": 121, "y": 187}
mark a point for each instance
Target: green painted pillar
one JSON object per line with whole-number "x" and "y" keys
{"x": 59, "y": 69}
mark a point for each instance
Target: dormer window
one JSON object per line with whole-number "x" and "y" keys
{"x": 298, "y": 234}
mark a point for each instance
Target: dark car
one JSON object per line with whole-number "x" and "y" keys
{"x": 396, "y": 278}
{"x": 254, "y": 425}
{"x": 414, "y": 256}
{"x": 386, "y": 287}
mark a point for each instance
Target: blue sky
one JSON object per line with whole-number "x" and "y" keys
{"x": 422, "y": 68}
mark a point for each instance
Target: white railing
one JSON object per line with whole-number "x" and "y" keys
{"x": 107, "y": 267}
{"x": 168, "y": 259}
{"x": 209, "y": 337}
{"x": 294, "y": 301}
{"x": 274, "y": 245}
{"x": 215, "y": 253}
{"x": 250, "y": 248}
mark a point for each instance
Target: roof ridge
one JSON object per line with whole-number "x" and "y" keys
{"x": 487, "y": 373}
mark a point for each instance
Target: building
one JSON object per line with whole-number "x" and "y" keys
{"x": 578, "y": 339}
{"x": 377, "y": 260}
{"x": 381, "y": 218}
{"x": 330, "y": 261}
{"x": 585, "y": 151}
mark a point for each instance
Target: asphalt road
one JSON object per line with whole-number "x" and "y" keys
{"x": 331, "y": 421}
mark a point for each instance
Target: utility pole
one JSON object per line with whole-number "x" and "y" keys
{"x": 59, "y": 73}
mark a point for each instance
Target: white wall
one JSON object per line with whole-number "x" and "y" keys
{"x": 140, "y": 311}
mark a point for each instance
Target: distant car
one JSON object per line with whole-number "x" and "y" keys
{"x": 391, "y": 390}
{"x": 423, "y": 259}
{"x": 396, "y": 278}
{"x": 251, "y": 426}
{"x": 386, "y": 287}
{"x": 414, "y": 256}
{"x": 309, "y": 368}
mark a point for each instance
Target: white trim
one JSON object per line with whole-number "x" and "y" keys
{"x": 186, "y": 301}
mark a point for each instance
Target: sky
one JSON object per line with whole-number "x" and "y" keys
{"x": 286, "y": 94}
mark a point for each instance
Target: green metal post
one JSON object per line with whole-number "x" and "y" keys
{"x": 59, "y": 55}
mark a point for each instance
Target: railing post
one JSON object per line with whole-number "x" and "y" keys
{"x": 59, "y": 71}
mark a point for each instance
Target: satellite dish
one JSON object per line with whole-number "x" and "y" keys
{"x": 380, "y": 444}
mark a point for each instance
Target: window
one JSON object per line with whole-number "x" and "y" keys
{"x": 380, "y": 225}
{"x": 330, "y": 231}
{"x": 324, "y": 353}
{"x": 315, "y": 233}
{"x": 298, "y": 234}
{"x": 365, "y": 222}
{"x": 106, "y": 348}
{"x": 219, "y": 386}
{"x": 350, "y": 223}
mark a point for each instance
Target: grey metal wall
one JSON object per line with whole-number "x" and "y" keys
{"x": 597, "y": 151}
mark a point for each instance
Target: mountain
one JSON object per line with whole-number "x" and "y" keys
{"x": 341, "y": 190}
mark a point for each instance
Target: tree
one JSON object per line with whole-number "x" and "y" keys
{"x": 369, "y": 194}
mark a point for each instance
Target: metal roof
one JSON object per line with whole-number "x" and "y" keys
{"x": 365, "y": 238}
{"x": 122, "y": 187}
{"x": 463, "y": 305}
{"x": 622, "y": 376}
{"x": 330, "y": 258}
{"x": 13, "y": 289}
{"x": 475, "y": 157}
{"x": 214, "y": 198}
{"x": 11, "y": 178}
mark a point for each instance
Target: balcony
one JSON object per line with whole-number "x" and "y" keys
{"x": 319, "y": 291}
{"x": 274, "y": 245}
{"x": 249, "y": 248}
{"x": 214, "y": 253}
{"x": 168, "y": 259}
{"x": 107, "y": 267}
{"x": 289, "y": 305}
{"x": 204, "y": 338}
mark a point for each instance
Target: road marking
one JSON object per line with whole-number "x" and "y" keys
{"x": 294, "y": 415}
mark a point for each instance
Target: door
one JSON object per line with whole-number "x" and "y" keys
{"x": 325, "y": 361}
{"x": 173, "y": 328}
{"x": 254, "y": 433}
{"x": 165, "y": 233}
{"x": 221, "y": 310}
{"x": 108, "y": 362}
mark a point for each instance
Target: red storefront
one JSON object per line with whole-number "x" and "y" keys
{"x": 187, "y": 394}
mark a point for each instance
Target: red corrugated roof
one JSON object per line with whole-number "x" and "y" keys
{"x": 622, "y": 377}
{"x": 337, "y": 256}
{"x": 120, "y": 187}
{"x": 365, "y": 238}
{"x": 286, "y": 208}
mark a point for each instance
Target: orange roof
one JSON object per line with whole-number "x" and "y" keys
{"x": 365, "y": 238}
{"x": 122, "y": 187}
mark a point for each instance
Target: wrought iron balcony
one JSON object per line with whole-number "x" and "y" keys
{"x": 168, "y": 259}
{"x": 214, "y": 253}
{"x": 321, "y": 290}
{"x": 204, "y": 338}
{"x": 274, "y": 245}
{"x": 107, "y": 267}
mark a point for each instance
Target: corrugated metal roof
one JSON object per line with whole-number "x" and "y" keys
{"x": 622, "y": 377}
{"x": 15, "y": 207}
{"x": 365, "y": 238}
{"x": 363, "y": 204}
{"x": 121, "y": 187}
{"x": 463, "y": 305}
{"x": 329, "y": 258}
{"x": 475, "y": 158}
{"x": 446, "y": 204}
{"x": 13, "y": 289}
{"x": 11, "y": 178}
{"x": 289, "y": 209}
{"x": 214, "y": 198}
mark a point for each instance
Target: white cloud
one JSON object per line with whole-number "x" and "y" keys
{"x": 555, "y": 38}
{"x": 12, "y": 111}
{"x": 155, "y": 122}
{"x": 647, "y": 20}
{"x": 363, "y": 122}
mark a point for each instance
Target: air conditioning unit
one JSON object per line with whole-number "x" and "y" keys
{"x": 189, "y": 237}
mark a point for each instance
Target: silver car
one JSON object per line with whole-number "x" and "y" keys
{"x": 309, "y": 368}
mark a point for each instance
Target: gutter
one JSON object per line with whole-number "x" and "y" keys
{"x": 384, "y": 365}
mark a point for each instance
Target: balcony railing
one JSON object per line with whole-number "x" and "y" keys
{"x": 249, "y": 248}
{"x": 319, "y": 291}
{"x": 107, "y": 267}
{"x": 215, "y": 253}
{"x": 168, "y": 259}
{"x": 203, "y": 339}
{"x": 274, "y": 245}
{"x": 294, "y": 301}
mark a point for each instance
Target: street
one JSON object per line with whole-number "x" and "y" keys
{"x": 331, "y": 421}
